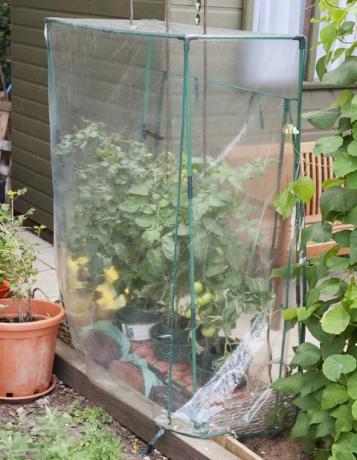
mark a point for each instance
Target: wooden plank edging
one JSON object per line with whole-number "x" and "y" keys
{"x": 70, "y": 368}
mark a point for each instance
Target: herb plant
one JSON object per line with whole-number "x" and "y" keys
{"x": 325, "y": 372}
{"x": 80, "y": 434}
{"x": 17, "y": 254}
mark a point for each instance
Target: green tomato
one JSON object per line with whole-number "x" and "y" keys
{"x": 198, "y": 287}
{"x": 199, "y": 301}
{"x": 208, "y": 331}
{"x": 206, "y": 298}
{"x": 187, "y": 313}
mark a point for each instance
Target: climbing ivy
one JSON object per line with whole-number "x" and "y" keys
{"x": 324, "y": 373}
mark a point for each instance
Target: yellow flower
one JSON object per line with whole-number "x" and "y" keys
{"x": 126, "y": 291}
{"x": 109, "y": 299}
{"x": 83, "y": 260}
{"x": 111, "y": 274}
{"x": 72, "y": 266}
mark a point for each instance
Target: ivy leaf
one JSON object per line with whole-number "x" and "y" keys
{"x": 335, "y": 320}
{"x": 318, "y": 232}
{"x": 328, "y": 35}
{"x": 352, "y": 386}
{"x": 337, "y": 264}
{"x": 336, "y": 365}
{"x": 306, "y": 355}
{"x": 333, "y": 394}
{"x": 301, "y": 426}
{"x": 330, "y": 287}
{"x": 352, "y": 148}
{"x": 344, "y": 419}
{"x": 342, "y": 238}
{"x": 351, "y": 180}
{"x": 290, "y": 384}
{"x": 346, "y": 443}
{"x": 344, "y": 164}
{"x": 304, "y": 188}
{"x": 327, "y": 145}
{"x": 333, "y": 345}
{"x": 284, "y": 203}
{"x": 311, "y": 382}
{"x": 353, "y": 250}
{"x": 323, "y": 119}
{"x": 354, "y": 130}
{"x": 325, "y": 428}
{"x": 307, "y": 402}
{"x": 331, "y": 182}
{"x": 354, "y": 410}
{"x": 344, "y": 75}
{"x": 336, "y": 199}
{"x": 321, "y": 68}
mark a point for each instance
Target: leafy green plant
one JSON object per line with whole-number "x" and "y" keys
{"x": 128, "y": 195}
{"x": 5, "y": 39}
{"x": 324, "y": 375}
{"x": 17, "y": 254}
{"x": 81, "y": 434}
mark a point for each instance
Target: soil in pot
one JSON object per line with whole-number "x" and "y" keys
{"x": 136, "y": 319}
{"x": 28, "y": 350}
{"x": 5, "y": 292}
{"x": 161, "y": 337}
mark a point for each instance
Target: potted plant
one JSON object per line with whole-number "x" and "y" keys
{"x": 28, "y": 327}
{"x": 135, "y": 239}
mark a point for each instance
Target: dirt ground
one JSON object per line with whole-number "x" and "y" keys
{"x": 282, "y": 448}
{"x": 63, "y": 397}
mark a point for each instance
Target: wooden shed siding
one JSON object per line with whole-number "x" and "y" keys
{"x": 31, "y": 148}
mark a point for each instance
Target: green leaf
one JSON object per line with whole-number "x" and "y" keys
{"x": 337, "y": 264}
{"x": 352, "y": 386}
{"x": 327, "y": 145}
{"x": 318, "y": 232}
{"x": 332, "y": 182}
{"x": 284, "y": 203}
{"x": 304, "y": 188}
{"x": 325, "y": 428}
{"x": 353, "y": 250}
{"x": 323, "y": 119}
{"x": 333, "y": 395}
{"x": 311, "y": 382}
{"x": 290, "y": 384}
{"x": 354, "y": 410}
{"x": 351, "y": 180}
{"x": 306, "y": 355}
{"x": 320, "y": 67}
{"x": 344, "y": 75}
{"x": 342, "y": 238}
{"x": 335, "y": 320}
{"x": 347, "y": 442}
{"x": 336, "y": 199}
{"x": 354, "y": 130}
{"x": 330, "y": 287}
{"x": 289, "y": 313}
{"x": 306, "y": 403}
{"x": 301, "y": 427}
{"x": 344, "y": 164}
{"x": 352, "y": 148}
{"x": 215, "y": 269}
{"x": 332, "y": 345}
{"x": 336, "y": 365}
{"x": 328, "y": 35}
{"x": 344, "y": 420}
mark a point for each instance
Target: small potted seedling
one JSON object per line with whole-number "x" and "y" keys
{"x": 28, "y": 327}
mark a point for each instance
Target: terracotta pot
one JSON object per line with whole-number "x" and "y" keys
{"x": 27, "y": 350}
{"x": 5, "y": 292}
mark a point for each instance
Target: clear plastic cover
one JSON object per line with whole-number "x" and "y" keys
{"x": 168, "y": 150}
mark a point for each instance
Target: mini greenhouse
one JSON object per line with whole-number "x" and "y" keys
{"x": 168, "y": 149}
